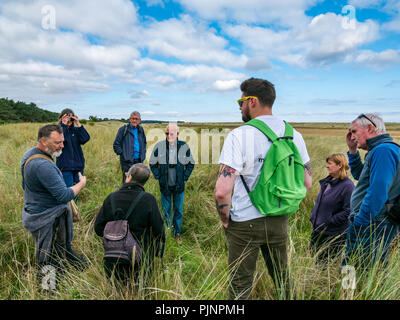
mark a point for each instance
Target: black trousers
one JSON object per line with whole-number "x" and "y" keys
{"x": 126, "y": 165}
{"x": 327, "y": 246}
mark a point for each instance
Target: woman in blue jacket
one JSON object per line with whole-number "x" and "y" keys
{"x": 329, "y": 216}
{"x": 72, "y": 161}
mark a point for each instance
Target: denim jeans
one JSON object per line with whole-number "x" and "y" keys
{"x": 71, "y": 177}
{"x": 368, "y": 244}
{"x": 126, "y": 165}
{"x": 166, "y": 204}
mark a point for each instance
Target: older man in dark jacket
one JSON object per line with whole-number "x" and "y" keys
{"x": 172, "y": 163}
{"x": 145, "y": 222}
{"x": 130, "y": 143}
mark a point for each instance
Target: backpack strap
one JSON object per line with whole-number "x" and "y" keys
{"x": 112, "y": 202}
{"x": 134, "y": 203}
{"x": 288, "y": 131}
{"x": 264, "y": 128}
{"x": 36, "y": 156}
{"x": 125, "y": 131}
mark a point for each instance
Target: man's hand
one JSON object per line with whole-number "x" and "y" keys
{"x": 351, "y": 143}
{"x": 80, "y": 185}
{"x": 82, "y": 179}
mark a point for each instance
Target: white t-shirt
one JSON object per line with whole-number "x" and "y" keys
{"x": 244, "y": 150}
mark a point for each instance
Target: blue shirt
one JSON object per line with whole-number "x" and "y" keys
{"x": 136, "y": 147}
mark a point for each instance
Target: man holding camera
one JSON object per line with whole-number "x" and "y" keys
{"x": 172, "y": 163}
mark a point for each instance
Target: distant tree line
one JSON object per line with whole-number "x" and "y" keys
{"x": 11, "y": 111}
{"x": 98, "y": 119}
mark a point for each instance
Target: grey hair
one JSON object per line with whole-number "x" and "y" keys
{"x": 172, "y": 124}
{"x": 378, "y": 123}
{"x": 139, "y": 172}
{"x": 137, "y": 113}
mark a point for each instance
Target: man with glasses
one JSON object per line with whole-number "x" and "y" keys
{"x": 172, "y": 163}
{"x": 370, "y": 233}
{"x": 247, "y": 230}
{"x": 130, "y": 143}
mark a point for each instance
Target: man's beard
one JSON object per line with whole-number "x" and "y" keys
{"x": 54, "y": 153}
{"x": 246, "y": 116}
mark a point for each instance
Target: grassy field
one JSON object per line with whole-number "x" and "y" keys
{"x": 195, "y": 269}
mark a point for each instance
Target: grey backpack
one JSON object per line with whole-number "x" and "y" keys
{"x": 118, "y": 241}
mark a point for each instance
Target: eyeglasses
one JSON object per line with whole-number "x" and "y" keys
{"x": 134, "y": 118}
{"x": 364, "y": 116}
{"x": 240, "y": 101}
{"x": 170, "y": 133}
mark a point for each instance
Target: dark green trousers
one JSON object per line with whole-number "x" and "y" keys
{"x": 245, "y": 240}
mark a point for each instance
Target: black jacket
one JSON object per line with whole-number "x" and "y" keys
{"x": 145, "y": 222}
{"x": 159, "y": 165}
{"x": 124, "y": 142}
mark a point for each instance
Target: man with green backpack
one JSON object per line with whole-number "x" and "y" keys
{"x": 273, "y": 166}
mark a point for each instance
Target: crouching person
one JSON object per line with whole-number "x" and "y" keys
{"x": 132, "y": 228}
{"x": 46, "y": 213}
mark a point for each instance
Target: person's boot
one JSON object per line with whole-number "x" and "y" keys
{"x": 74, "y": 259}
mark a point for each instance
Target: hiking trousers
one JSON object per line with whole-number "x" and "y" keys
{"x": 245, "y": 240}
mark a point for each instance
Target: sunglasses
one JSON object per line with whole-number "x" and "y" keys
{"x": 364, "y": 116}
{"x": 240, "y": 101}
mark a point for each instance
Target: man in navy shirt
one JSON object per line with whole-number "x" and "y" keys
{"x": 130, "y": 143}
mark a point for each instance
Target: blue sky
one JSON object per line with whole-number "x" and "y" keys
{"x": 185, "y": 59}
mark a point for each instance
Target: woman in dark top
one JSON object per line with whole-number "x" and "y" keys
{"x": 71, "y": 161}
{"x": 329, "y": 216}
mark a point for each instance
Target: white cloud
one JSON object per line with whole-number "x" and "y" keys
{"x": 97, "y": 17}
{"x": 378, "y": 60}
{"x": 190, "y": 41}
{"x": 226, "y": 85}
{"x": 281, "y": 12}
{"x": 322, "y": 41}
{"x": 135, "y": 94}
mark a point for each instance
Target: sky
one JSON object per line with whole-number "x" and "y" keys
{"x": 185, "y": 59}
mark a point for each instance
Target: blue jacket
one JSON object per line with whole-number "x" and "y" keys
{"x": 159, "y": 163}
{"x": 374, "y": 178}
{"x": 123, "y": 145}
{"x": 332, "y": 208}
{"x": 72, "y": 158}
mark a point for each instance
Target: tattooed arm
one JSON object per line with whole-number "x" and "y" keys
{"x": 307, "y": 175}
{"x": 223, "y": 192}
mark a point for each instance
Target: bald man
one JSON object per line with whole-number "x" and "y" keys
{"x": 172, "y": 163}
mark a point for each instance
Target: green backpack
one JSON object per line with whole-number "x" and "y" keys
{"x": 280, "y": 188}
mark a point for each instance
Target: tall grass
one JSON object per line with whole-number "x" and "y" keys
{"x": 195, "y": 269}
